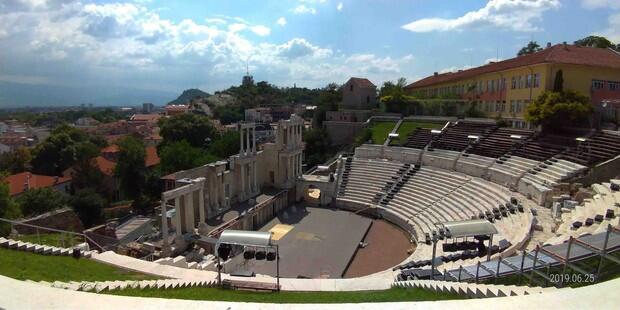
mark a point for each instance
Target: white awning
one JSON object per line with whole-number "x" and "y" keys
{"x": 469, "y": 228}
{"x": 245, "y": 237}
{"x": 393, "y": 135}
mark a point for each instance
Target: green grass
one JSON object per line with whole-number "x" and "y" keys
{"x": 52, "y": 239}
{"x": 197, "y": 293}
{"x": 28, "y": 266}
{"x": 407, "y": 127}
{"x": 380, "y": 131}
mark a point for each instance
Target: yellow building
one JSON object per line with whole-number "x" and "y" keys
{"x": 505, "y": 88}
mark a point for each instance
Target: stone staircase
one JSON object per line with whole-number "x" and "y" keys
{"x": 181, "y": 261}
{"x": 41, "y": 249}
{"x": 473, "y": 290}
{"x": 102, "y": 286}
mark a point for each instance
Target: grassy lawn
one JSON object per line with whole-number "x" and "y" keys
{"x": 28, "y": 266}
{"x": 407, "y": 127}
{"x": 52, "y": 239}
{"x": 380, "y": 131}
{"x": 391, "y": 295}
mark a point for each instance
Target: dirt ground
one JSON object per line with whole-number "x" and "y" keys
{"x": 387, "y": 247}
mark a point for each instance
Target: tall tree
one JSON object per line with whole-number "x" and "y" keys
{"x": 15, "y": 161}
{"x": 559, "y": 109}
{"x": 196, "y": 129}
{"x": 181, "y": 156}
{"x": 62, "y": 149}
{"x": 530, "y": 48}
{"x": 37, "y": 201}
{"x": 225, "y": 145}
{"x": 318, "y": 147}
{"x": 130, "y": 168}
{"x": 88, "y": 205}
{"x": 8, "y": 208}
{"x": 595, "y": 41}
{"x": 558, "y": 82}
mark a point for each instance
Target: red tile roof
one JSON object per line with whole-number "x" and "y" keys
{"x": 112, "y": 148}
{"x": 104, "y": 165}
{"x": 361, "y": 82}
{"x": 560, "y": 54}
{"x": 145, "y": 117}
{"x": 151, "y": 159}
{"x": 17, "y": 181}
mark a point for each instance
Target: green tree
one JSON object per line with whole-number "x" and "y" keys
{"x": 225, "y": 145}
{"x": 318, "y": 147}
{"x": 8, "y": 208}
{"x": 394, "y": 97}
{"x": 595, "y": 41}
{"x": 328, "y": 99}
{"x": 40, "y": 200}
{"x": 228, "y": 114}
{"x": 15, "y": 161}
{"x": 363, "y": 137}
{"x": 196, "y": 129}
{"x": 559, "y": 109}
{"x": 62, "y": 149}
{"x": 530, "y": 48}
{"x": 88, "y": 205}
{"x": 130, "y": 168}
{"x": 181, "y": 156}
{"x": 558, "y": 82}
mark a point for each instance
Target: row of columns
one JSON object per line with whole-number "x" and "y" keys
{"x": 187, "y": 208}
{"x": 294, "y": 166}
{"x": 244, "y": 134}
{"x": 248, "y": 178}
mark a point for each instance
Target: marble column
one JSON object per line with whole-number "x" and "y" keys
{"x": 164, "y": 221}
{"x": 255, "y": 181}
{"x": 241, "y": 151}
{"x": 201, "y": 204}
{"x": 189, "y": 212}
{"x": 242, "y": 172}
{"x": 247, "y": 139}
{"x": 254, "y": 140}
{"x": 177, "y": 216}
{"x": 202, "y": 226}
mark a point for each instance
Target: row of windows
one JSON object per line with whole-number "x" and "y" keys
{"x": 516, "y": 106}
{"x": 600, "y": 84}
{"x": 490, "y": 86}
{"x": 525, "y": 81}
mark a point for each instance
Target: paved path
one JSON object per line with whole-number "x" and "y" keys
{"x": 16, "y": 294}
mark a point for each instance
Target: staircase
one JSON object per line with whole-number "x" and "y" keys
{"x": 390, "y": 189}
{"x": 41, "y": 249}
{"x": 473, "y": 290}
{"x": 101, "y": 286}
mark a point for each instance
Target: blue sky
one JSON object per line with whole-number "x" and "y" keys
{"x": 109, "y": 48}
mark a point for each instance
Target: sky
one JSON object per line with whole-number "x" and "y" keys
{"x": 127, "y": 52}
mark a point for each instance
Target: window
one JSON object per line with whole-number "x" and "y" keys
{"x": 519, "y": 106}
{"x": 598, "y": 84}
{"x": 503, "y": 83}
{"x": 351, "y": 87}
{"x": 521, "y": 81}
{"x": 513, "y": 107}
{"x": 503, "y": 106}
{"x": 528, "y": 81}
{"x": 513, "y": 85}
{"x": 536, "y": 80}
{"x": 613, "y": 86}
{"x": 497, "y": 106}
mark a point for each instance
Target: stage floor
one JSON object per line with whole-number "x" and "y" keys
{"x": 314, "y": 243}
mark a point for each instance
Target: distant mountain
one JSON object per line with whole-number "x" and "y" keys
{"x": 22, "y": 95}
{"x": 188, "y": 95}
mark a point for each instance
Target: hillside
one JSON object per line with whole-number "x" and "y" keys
{"x": 188, "y": 95}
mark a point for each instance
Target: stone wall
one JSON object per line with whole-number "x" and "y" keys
{"x": 63, "y": 219}
{"x": 341, "y": 133}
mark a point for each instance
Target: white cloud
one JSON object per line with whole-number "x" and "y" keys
{"x": 600, "y": 4}
{"x": 613, "y": 29}
{"x": 340, "y": 6}
{"x": 128, "y": 44}
{"x": 517, "y": 15}
{"x": 281, "y": 21}
{"x": 303, "y": 9}
{"x": 455, "y": 69}
{"x": 216, "y": 20}
{"x": 261, "y": 30}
